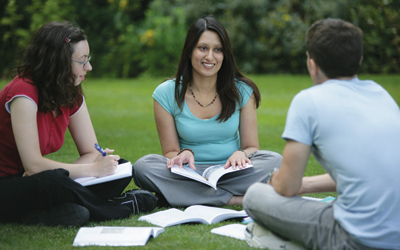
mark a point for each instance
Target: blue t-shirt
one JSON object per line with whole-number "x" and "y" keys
{"x": 213, "y": 142}
{"x": 353, "y": 128}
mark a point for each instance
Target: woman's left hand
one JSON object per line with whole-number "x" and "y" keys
{"x": 237, "y": 159}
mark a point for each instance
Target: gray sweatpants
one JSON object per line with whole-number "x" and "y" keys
{"x": 151, "y": 173}
{"x": 310, "y": 223}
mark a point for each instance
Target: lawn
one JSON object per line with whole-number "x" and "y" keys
{"x": 122, "y": 115}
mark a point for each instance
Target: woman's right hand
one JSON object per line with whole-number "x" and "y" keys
{"x": 185, "y": 157}
{"x": 105, "y": 165}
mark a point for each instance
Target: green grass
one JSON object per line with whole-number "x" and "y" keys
{"x": 122, "y": 115}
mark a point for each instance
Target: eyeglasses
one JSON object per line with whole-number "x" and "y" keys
{"x": 84, "y": 63}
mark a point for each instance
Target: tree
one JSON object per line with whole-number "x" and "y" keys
{"x": 132, "y": 37}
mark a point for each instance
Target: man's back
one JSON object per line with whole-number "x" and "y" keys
{"x": 354, "y": 129}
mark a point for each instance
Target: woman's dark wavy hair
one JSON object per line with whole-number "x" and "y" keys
{"x": 47, "y": 65}
{"x": 226, "y": 87}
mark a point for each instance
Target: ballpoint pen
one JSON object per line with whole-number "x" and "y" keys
{"x": 98, "y": 148}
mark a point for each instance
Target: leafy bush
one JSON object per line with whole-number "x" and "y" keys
{"x": 129, "y": 38}
{"x": 163, "y": 34}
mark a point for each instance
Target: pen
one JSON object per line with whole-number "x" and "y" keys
{"x": 98, "y": 148}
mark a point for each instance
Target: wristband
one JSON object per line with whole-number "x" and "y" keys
{"x": 186, "y": 149}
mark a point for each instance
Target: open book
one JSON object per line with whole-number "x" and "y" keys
{"x": 115, "y": 236}
{"x": 210, "y": 176}
{"x": 123, "y": 170}
{"x": 192, "y": 214}
{"x": 231, "y": 230}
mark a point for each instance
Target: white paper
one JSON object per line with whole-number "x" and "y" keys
{"x": 210, "y": 176}
{"x": 190, "y": 173}
{"x": 217, "y": 173}
{"x": 170, "y": 217}
{"x": 123, "y": 170}
{"x": 214, "y": 214}
{"x": 115, "y": 236}
{"x": 232, "y": 230}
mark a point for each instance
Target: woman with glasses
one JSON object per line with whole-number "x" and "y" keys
{"x": 36, "y": 108}
{"x": 205, "y": 116}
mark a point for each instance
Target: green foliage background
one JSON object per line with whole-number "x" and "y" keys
{"x": 129, "y": 38}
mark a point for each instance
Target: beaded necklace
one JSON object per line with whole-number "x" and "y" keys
{"x": 191, "y": 91}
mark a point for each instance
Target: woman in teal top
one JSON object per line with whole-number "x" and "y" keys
{"x": 205, "y": 116}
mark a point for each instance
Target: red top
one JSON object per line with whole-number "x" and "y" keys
{"x": 51, "y": 129}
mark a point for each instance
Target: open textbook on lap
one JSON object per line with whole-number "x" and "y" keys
{"x": 123, "y": 170}
{"x": 210, "y": 176}
{"x": 115, "y": 236}
{"x": 192, "y": 214}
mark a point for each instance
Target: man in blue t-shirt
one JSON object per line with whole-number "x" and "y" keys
{"x": 352, "y": 127}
